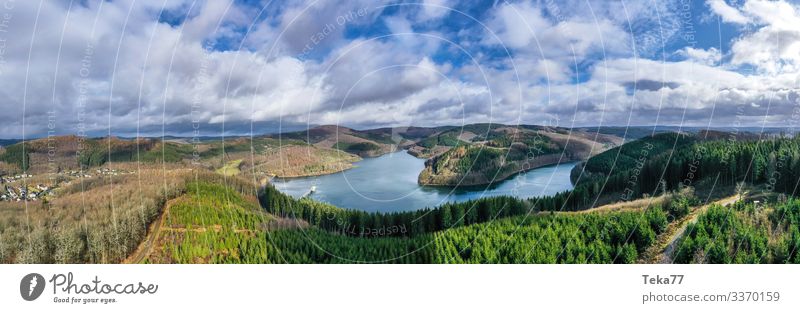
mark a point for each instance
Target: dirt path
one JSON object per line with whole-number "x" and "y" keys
{"x": 144, "y": 249}
{"x": 661, "y": 251}
{"x": 625, "y": 206}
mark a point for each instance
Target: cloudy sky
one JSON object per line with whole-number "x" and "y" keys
{"x": 147, "y": 66}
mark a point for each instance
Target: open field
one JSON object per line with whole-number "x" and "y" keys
{"x": 231, "y": 168}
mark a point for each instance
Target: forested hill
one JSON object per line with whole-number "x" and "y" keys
{"x": 503, "y": 151}
{"x": 268, "y": 156}
{"x": 671, "y": 160}
{"x": 634, "y": 153}
{"x": 216, "y": 219}
{"x": 66, "y": 153}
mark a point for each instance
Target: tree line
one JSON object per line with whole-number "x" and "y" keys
{"x": 409, "y": 223}
{"x": 744, "y": 233}
{"x": 589, "y": 238}
{"x": 773, "y": 162}
{"x": 616, "y": 237}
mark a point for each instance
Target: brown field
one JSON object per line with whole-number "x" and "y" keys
{"x": 294, "y": 161}
{"x": 88, "y": 220}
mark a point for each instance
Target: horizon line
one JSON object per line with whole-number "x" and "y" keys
{"x": 124, "y": 135}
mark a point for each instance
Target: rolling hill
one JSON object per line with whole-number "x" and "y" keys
{"x": 167, "y": 213}
{"x": 502, "y": 151}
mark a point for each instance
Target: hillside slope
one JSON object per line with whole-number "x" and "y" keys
{"x": 214, "y": 224}
{"x": 369, "y": 143}
{"x": 504, "y": 151}
{"x": 65, "y": 153}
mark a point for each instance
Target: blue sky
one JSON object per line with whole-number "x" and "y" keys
{"x": 129, "y": 67}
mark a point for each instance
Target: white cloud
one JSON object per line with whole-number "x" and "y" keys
{"x": 710, "y": 56}
{"x": 516, "y": 25}
{"x": 773, "y": 48}
{"x": 780, "y": 15}
{"x": 728, "y": 13}
{"x": 144, "y": 73}
{"x": 435, "y": 9}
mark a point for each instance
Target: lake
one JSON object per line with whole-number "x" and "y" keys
{"x": 389, "y": 183}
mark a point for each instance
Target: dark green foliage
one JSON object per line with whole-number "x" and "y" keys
{"x": 630, "y": 154}
{"x": 495, "y": 155}
{"x": 774, "y": 162}
{"x": 14, "y": 154}
{"x": 679, "y": 205}
{"x": 93, "y": 155}
{"x": 168, "y": 152}
{"x": 378, "y": 135}
{"x": 535, "y": 143}
{"x": 97, "y": 152}
{"x": 616, "y": 237}
{"x": 215, "y": 204}
{"x": 429, "y": 142}
{"x": 478, "y": 129}
{"x": 448, "y": 139}
{"x": 356, "y": 148}
{"x": 589, "y": 238}
{"x": 477, "y": 159}
{"x": 743, "y": 233}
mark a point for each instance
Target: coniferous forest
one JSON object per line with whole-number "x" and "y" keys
{"x": 625, "y": 204}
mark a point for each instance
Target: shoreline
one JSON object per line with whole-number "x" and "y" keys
{"x": 499, "y": 178}
{"x": 315, "y": 174}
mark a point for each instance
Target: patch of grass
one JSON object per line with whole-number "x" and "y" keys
{"x": 231, "y": 168}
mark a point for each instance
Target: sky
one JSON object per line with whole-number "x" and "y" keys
{"x": 176, "y": 67}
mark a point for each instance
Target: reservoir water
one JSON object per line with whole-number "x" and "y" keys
{"x": 389, "y": 183}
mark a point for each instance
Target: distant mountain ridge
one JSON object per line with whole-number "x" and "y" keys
{"x": 484, "y": 152}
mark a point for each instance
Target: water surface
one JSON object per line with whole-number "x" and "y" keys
{"x": 389, "y": 183}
